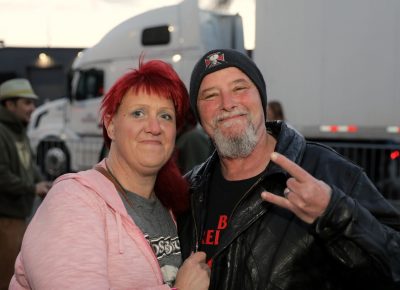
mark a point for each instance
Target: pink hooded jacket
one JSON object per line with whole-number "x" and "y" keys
{"x": 82, "y": 237}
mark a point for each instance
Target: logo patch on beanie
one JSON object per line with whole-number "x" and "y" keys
{"x": 214, "y": 59}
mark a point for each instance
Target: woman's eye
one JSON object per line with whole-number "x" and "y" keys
{"x": 138, "y": 113}
{"x": 167, "y": 116}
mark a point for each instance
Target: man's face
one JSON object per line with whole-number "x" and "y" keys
{"x": 230, "y": 110}
{"x": 22, "y": 108}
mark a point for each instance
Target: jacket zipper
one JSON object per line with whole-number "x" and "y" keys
{"x": 236, "y": 205}
{"x": 196, "y": 247}
{"x": 244, "y": 195}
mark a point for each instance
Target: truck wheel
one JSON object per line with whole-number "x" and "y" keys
{"x": 53, "y": 158}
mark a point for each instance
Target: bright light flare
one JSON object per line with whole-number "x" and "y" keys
{"x": 395, "y": 154}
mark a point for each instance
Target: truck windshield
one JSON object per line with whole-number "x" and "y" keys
{"x": 87, "y": 84}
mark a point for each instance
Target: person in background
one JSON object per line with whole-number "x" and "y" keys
{"x": 113, "y": 226}
{"x": 20, "y": 179}
{"x": 273, "y": 211}
{"x": 275, "y": 111}
{"x": 192, "y": 144}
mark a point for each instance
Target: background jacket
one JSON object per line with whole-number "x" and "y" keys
{"x": 18, "y": 172}
{"x": 82, "y": 237}
{"x": 354, "y": 245}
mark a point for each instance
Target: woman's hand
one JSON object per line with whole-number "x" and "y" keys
{"x": 194, "y": 274}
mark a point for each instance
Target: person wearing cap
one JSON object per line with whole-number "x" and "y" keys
{"x": 272, "y": 210}
{"x": 20, "y": 180}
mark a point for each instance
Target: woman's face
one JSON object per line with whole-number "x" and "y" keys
{"x": 143, "y": 131}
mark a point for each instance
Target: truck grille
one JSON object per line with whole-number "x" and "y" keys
{"x": 381, "y": 163}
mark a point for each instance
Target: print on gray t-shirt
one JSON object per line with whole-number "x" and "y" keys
{"x": 159, "y": 229}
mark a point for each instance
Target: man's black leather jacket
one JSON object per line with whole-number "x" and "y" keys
{"x": 354, "y": 245}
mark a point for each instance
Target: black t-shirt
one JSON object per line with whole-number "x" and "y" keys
{"x": 221, "y": 200}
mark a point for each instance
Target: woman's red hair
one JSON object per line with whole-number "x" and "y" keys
{"x": 159, "y": 78}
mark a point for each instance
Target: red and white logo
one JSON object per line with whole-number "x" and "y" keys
{"x": 214, "y": 59}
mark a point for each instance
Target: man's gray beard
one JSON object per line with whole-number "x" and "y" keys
{"x": 237, "y": 146}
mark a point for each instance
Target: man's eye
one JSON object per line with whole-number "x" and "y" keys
{"x": 138, "y": 113}
{"x": 238, "y": 89}
{"x": 209, "y": 96}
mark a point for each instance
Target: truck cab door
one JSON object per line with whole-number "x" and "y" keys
{"x": 87, "y": 89}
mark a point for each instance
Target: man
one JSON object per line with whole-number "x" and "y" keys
{"x": 273, "y": 211}
{"x": 19, "y": 178}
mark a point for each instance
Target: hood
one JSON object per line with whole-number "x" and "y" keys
{"x": 100, "y": 185}
{"x": 11, "y": 121}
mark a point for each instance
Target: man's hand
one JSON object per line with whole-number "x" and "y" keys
{"x": 42, "y": 188}
{"x": 305, "y": 196}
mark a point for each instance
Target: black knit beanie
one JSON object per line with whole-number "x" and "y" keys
{"x": 217, "y": 59}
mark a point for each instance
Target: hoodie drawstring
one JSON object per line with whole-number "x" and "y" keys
{"x": 119, "y": 229}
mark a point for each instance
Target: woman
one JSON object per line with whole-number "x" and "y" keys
{"x": 112, "y": 227}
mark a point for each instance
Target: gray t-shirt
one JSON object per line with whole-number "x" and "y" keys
{"x": 159, "y": 229}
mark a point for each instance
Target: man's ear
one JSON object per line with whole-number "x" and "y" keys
{"x": 109, "y": 125}
{"x": 10, "y": 105}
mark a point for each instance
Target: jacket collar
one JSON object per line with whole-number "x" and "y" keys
{"x": 290, "y": 142}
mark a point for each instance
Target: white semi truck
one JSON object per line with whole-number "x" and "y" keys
{"x": 66, "y": 134}
{"x": 334, "y": 65}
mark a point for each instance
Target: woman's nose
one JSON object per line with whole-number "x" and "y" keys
{"x": 153, "y": 126}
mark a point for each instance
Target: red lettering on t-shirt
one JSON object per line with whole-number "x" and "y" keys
{"x": 209, "y": 237}
{"x": 209, "y": 263}
{"x": 222, "y": 222}
{"x": 216, "y": 240}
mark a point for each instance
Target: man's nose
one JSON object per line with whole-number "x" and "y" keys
{"x": 31, "y": 108}
{"x": 227, "y": 100}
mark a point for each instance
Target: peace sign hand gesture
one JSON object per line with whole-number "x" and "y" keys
{"x": 305, "y": 196}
